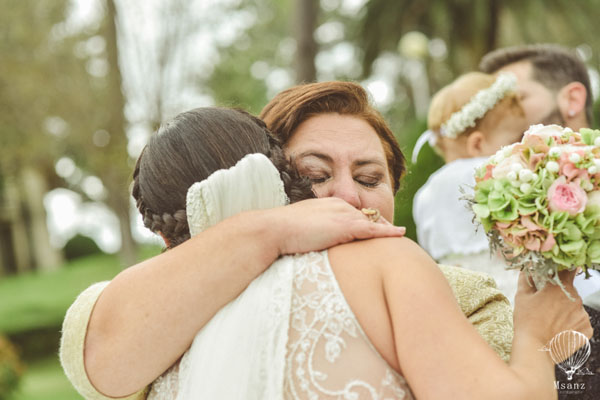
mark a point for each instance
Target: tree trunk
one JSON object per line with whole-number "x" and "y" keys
{"x": 17, "y": 254}
{"x": 117, "y": 171}
{"x": 491, "y": 34}
{"x": 34, "y": 189}
{"x": 306, "y": 21}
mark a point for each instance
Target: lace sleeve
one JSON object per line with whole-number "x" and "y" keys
{"x": 166, "y": 386}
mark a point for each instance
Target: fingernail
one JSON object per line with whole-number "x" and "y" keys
{"x": 402, "y": 229}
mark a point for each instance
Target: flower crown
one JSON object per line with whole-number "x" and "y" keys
{"x": 479, "y": 104}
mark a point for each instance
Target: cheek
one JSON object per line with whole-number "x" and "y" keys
{"x": 320, "y": 190}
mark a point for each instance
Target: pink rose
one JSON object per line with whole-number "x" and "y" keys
{"x": 569, "y": 197}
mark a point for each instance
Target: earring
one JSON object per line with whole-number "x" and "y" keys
{"x": 571, "y": 113}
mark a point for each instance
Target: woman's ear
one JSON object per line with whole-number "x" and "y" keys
{"x": 571, "y": 102}
{"x": 475, "y": 144}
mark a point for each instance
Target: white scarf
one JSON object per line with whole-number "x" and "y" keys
{"x": 240, "y": 352}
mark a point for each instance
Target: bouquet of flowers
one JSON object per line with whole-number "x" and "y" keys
{"x": 539, "y": 202}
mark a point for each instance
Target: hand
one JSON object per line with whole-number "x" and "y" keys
{"x": 547, "y": 312}
{"x": 318, "y": 224}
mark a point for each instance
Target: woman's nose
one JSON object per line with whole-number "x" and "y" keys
{"x": 345, "y": 189}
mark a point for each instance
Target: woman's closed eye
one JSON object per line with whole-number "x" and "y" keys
{"x": 368, "y": 180}
{"x": 317, "y": 178}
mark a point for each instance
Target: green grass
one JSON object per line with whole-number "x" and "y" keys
{"x": 39, "y": 300}
{"x": 34, "y": 301}
{"x": 45, "y": 380}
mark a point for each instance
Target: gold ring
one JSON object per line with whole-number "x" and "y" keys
{"x": 372, "y": 213}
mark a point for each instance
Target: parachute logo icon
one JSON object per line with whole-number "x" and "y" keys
{"x": 569, "y": 350}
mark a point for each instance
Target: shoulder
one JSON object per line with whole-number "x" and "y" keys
{"x": 384, "y": 251}
{"x": 390, "y": 259}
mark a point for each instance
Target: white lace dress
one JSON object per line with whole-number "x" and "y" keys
{"x": 290, "y": 334}
{"x": 328, "y": 354}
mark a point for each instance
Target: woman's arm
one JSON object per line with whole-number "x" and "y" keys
{"x": 148, "y": 315}
{"x": 442, "y": 356}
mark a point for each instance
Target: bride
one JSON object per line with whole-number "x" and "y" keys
{"x": 369, "y": 319}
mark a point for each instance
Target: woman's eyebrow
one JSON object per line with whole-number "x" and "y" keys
{"x": 368, "y": 161}
{"x": 312, "y": 153}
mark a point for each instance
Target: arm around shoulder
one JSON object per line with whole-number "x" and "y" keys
{"x": 71, "y": 352}
{"x": 439, "y": 352}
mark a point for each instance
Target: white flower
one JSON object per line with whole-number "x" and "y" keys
{"x": 516, "y": 167}
{"x": 525, "y": 188}
{"x": 597, "y": 141}
{"x": 552, "y": 166}
{"x": 592, "y": 170}
{"x": 512, "y": 176}
{"x": 481, "y": 103}
{"x": 525, "y": 175}
{"x": 554, "y": 152}
{"x": 503, "y": 168}
{"x": 544, "y": 131}
{"x": 574, "y": 158}
{"x": 499, "y": 156}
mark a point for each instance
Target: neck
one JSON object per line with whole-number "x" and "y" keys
{"x": 577, "y": 122}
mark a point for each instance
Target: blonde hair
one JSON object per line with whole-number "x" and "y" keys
{"x": 453, "y": 97}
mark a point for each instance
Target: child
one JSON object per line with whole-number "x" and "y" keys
{"x": 469, "y": 120}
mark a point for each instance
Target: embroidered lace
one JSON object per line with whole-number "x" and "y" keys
{"x": 290, "y": 334}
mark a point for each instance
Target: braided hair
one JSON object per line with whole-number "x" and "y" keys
{"x": 189, "y": 149}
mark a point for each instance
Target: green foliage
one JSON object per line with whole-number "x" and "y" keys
{"x": 266, "y": 42}
{"x": 39, "y": 300}
{"x": 80, "y": 246}
{"x": 471, "y": 29}
{"x": 11, "y": 368}
{"x": 44, "y": 379}
{"x": 416, "y": 175}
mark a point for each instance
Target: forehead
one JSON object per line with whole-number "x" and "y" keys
{"x": 338, "y": 136}
{"x": 521, "y": 69}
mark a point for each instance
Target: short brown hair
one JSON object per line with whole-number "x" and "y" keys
{"x": 288, "y": 109}
{"x": 553, "y": 66}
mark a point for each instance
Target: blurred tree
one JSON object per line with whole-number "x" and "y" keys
{"x": 306, "y": 46}
{"x": 259, "y": 62}
{"x": 111, "y": 165}
{"x": 159, "y": 71}
{"x": 63, "y": 99}
{"x": 11, "y": 368}
{"x": 26, "y": 97}
{"x": 471, "y": 29}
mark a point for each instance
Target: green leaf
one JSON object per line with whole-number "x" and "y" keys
{"x": 481, "y": 211}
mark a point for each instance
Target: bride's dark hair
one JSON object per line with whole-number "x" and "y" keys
{"x": 188, "y": 149}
